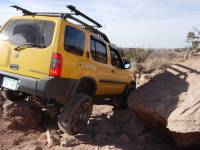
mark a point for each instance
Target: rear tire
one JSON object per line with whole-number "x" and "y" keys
{"x": 121, "y": 102}
{"x": 13, "y": 95}
{"x": 75, "y": 114}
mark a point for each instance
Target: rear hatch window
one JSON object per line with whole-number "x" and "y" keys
{"x": 36, "y": 32}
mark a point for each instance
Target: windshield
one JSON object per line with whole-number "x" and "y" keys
{"x": 36, "y": 32}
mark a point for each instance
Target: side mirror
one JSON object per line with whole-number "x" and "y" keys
{"x": 127, "y": 63}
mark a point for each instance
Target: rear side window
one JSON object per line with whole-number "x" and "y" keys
{"x": 74, "y": 41}
{"x": 98, "y": 51}
{"x": 93, "y": 48}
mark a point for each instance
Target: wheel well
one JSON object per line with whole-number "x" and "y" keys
{"x": 87, "y": 86}
{"x": 133, "y": 85}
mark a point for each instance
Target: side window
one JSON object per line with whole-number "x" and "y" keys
{"x": 93, "y": 48}
{"x": 74, "y": 41}
{"x": 98, "y": 51}
{"x": 116, "y": 60}
{"x": 101, "y": 54}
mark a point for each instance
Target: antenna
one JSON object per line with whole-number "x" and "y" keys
{"x": 78, "y": 13}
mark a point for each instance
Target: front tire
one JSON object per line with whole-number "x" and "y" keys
{"x": 75, "y": 114}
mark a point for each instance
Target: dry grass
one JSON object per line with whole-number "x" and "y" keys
{"x": 137, "y": 55}
{"x": 156, "y": 63}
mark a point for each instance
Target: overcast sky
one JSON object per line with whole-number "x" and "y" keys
{"x": 128, "y": 23}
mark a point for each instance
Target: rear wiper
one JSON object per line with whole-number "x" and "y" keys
{"x": 28, "y": 45}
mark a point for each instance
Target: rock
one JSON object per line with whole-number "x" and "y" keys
{"x": 135, "y": 128}
{"x": 35, "y": 147}
{"x": 53, "y": 138}
{"x": 124, "y": 138}
{"x": 43, "y": 138}
{"x": 20, "y": 115}
{"x": 125, "y": 142}
{"x": 29, "y": 146}
{"x": 1, "y": 102}
{"x": 110, "y": 148}
{"x": 105, "y": 128}
{"x": 144, "y": 78}
{"x": 69, "y": 141}
{"x": 38, "y": 148}
{"x": 170, "y": 102}
{"x": 100, "y": 137}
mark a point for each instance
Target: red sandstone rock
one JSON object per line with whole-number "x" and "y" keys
{"x": 171, "y": 102}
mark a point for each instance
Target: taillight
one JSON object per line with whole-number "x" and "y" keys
{"x": 56, "y": 65}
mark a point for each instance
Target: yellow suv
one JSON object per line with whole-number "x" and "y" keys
{"x": 46, "y": 58}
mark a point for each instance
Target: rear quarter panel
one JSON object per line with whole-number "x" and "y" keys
{"x": 74, "y": 66}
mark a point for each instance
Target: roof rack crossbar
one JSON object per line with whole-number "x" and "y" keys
{"x": 76, "y": 19}
{"x": 67, "y": 16}
{"x": 78, "y": 13}
{"x": 24, "y": 11}
{"x": 50, "y": 13}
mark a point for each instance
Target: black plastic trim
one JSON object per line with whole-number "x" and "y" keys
{"x": 61, "y": 89}
{"x": 112, "y": 81}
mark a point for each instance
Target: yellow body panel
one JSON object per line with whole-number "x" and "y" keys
{"x": 5, "y": 54}
{"x": 36, "y": 62}
{"x": 77, "y": 67}
{"x": 33, "y": 62}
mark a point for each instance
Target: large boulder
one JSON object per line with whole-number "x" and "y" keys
{"x": 170, "y": 102}
{"x": 20, "y": 115}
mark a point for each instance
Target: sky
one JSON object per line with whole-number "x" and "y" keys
{"x": 128, "y": 23}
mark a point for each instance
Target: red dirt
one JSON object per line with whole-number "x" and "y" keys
{"x": 108, "y": 129}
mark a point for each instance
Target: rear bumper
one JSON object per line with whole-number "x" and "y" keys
{"x": 60, "y": 89}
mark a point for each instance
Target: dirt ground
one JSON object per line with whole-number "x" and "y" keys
{"x": 108, "y": 129}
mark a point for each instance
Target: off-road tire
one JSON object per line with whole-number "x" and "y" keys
{"x": 75, "y": 115}
{"x": 13, "y": 95}
{"x": 121, "y": 102}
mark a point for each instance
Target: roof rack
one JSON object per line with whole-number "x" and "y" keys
{"x": 78, "y": 13}
{"x": 68, "y": 16}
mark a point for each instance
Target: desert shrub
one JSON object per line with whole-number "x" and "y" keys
{"x": 156, "y": 63}
{"x": 138, "y": 68}
{"x": 148, "y": 60}
{"x": 180, "y": 50}
{"x": 152, "y": 60}
{"x": 137, "y": 55}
